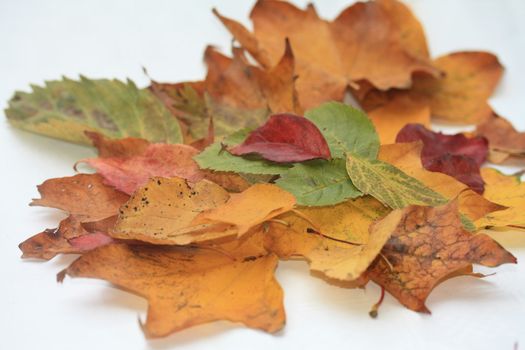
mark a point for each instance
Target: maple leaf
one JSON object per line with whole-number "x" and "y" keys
{"x": 69, "y": 238}
{"x": 235, "y": 93}
{"x": 335, "y": 259}
{"x": 505, "y": 142}
{"x": 454, "y": 155}
{"x": 332, "y": 55}
{"x": 65, "y": 109}
{"x": 87, "y": 200}
{"x": 401, "y": 110}
{"x": 428, "y": 246}
{"x": 388, "y": 184}
{"x": 285, "y": 138}
{"x": 188, "y": 286}
{"x": 507, "y": 191}
{"x": 460, "y": 97}
{"x": 245, "y": 210}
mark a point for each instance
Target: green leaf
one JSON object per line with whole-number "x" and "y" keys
{"x": 216, "y": 157}
{"x": 346, "y": 129}
{"x": 319, "y": 182}
{"x": 388, "y": 184}
{"x": 65, "y": 109}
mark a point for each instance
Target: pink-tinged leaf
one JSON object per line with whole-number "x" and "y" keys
{"x": 90, "y": 241}
{"x": 455, "y": 155}
{"x": 285, "y": 138}
{"x": 164, "y": 160}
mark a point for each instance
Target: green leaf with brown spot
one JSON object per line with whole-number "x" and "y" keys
{"x": 388, "y": 184}
{"x": 66, "y": 108}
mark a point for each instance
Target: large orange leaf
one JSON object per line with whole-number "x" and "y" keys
{"x": 189, "y": 286}
{"x": 428, "y": 246}
{"x": 332, "y": 55}
{"x": 505, "y": 142}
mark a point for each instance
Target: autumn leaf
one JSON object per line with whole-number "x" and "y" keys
{"x": 507, "y": 191}
{"x": 245, "y": 210}
{"x": 127, "y": 174}
{"x": 388, "y": 184}
{"x": 428, "y": 245}
{"x": 401, "y": 110}
{"x": 460, "y": 97}
{"x": 235, "y": 93}
{"x": 163, "y": 210}
{"x": 82, "y": 195}
{"x": 215, "y": 157}
{"x": 285, "y": 138}
{"x": 319, "y": 182}
{"x": 505, "y": 142}
{"x": 346, "y": 129}
{"x": 454, "y": 155}
{"x": 335, "y": 259}
{"x": 332, "y": 55}
{"x": 69, "y": 237}
{"x": 65, "y": 109}
{"x": 190, "y": 286}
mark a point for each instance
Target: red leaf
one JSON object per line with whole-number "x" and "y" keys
{"x": 285, "y": 138}
{"x": 455, "y": 155}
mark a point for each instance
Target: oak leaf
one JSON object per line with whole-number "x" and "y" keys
{"x": 429, "y": 245}
{"x": 285, "y": 138}
{"x": 188, "y": 286}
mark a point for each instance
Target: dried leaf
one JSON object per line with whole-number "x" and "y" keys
{"x": 285, "y": 138}
{"x": 454, "y": 155}
{"x": 505, "y": 141}
{"x": 82, "y": 195}
{"x": 335, "y": 259}
{"x": 187, "y": 286}
{"x": 162, "y": 212}
{"x": 245, "y": 210}
{"x": 429, "y": 245}
{"x": 65, "y": 109}
{"x": 332, "y": 55}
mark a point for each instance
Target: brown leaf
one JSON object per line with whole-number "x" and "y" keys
{"x": 189, "y": 286}
{"x": 505, "y": 141}
{"x": 162, "y": 212}
{"x": 332, "y": 55}
{"x": 428, "y": 245}
{"x": 122, "y": 148}
{"x": 82, "y": 195}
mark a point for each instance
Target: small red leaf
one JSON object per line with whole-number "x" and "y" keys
{"x": 285, "y": 138}
{"x": 455, "y": 155}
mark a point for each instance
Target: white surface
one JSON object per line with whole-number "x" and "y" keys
{"x": 47, "y": 39}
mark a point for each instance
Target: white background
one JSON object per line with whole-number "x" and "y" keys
{"x": 47, "y": 39}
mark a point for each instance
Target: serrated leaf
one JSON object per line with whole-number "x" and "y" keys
{"x": 388, "y": 184}
{"x": 66, "y": 108}
{"x": 319, "y": 182}
{"x": 215, "y": 157}
{"x": 346, "y": 129}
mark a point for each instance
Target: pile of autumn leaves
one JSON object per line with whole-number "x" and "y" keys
{"x": 221, "y": 178}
